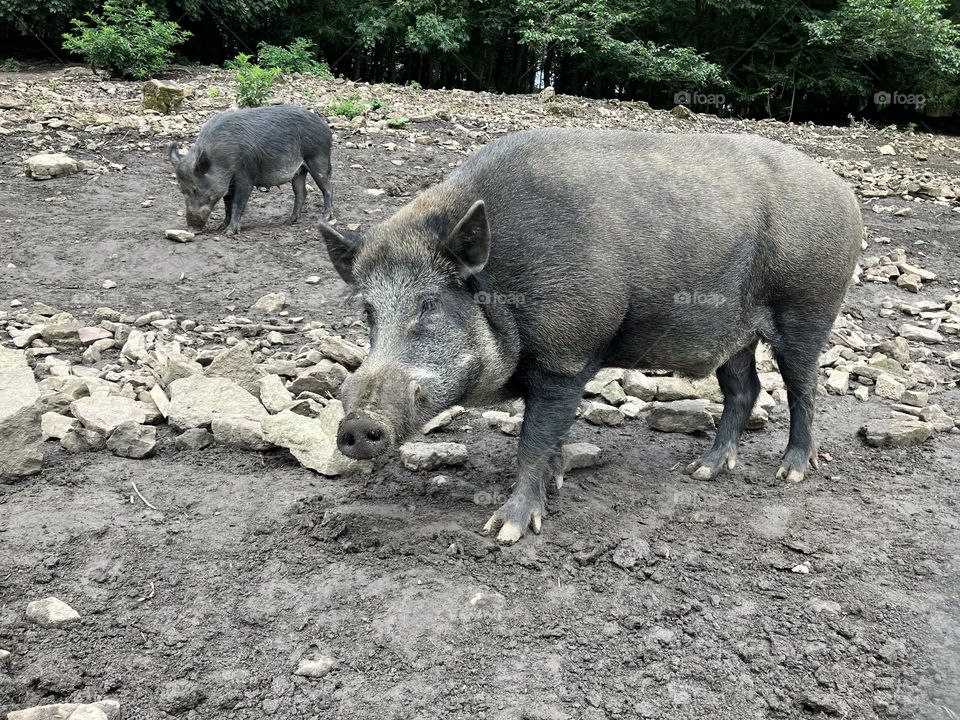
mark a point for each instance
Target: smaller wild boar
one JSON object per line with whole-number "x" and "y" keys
{"x": 239, "y": 150}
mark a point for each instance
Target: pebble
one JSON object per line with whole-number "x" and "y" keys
{"x": 430, "y": 456}
{"x": 315, "y": 668}
{"x": 895, "y": 433}
{"x": 51, "y": 612}
{"x": 685, "y": 416}
{"x": 270, "y": 303}
{"x": 597, "y": 413}
{"x": 580, "y": 455}
{"x": 132, "y": 440}
{"x": 180, "y": 236}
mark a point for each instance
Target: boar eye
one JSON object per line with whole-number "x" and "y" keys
{"x": 428, "y": 305}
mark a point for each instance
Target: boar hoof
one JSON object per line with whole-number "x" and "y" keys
{"x": 795, "y": 463}
{"x": 291, "y": 219}
{"x": 513, "y": 519}
{"x": 233, "y": 229}
{"x": 558, "y": 481}
{"x": 711, "y": 464}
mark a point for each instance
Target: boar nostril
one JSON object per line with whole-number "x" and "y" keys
{"x": 348, "y": 439}
{"x": 374, "y": 435}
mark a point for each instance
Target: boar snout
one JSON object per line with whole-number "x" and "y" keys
{"x": 362, "y": 437}
{"x": 197, "y": 218}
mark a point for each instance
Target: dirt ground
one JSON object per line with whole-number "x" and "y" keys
{"x": 203, "y": 607}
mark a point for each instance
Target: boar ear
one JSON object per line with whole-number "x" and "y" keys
{"x": 468, "y": 244}
{"x": 202, "y": 164}
{"x": 173, "y": 154}
{"x": 342, "y": 249}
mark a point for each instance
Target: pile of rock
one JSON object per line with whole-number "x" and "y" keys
{"x": 894, "y": 267}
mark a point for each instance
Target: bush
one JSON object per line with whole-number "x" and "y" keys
{"x": 348, "y": 108}
{"x": 297, "y": 57}
{"x": 253, "y": 82}
{"x": 12, "y": 65}
{"x": 126, "y": 39}
{"x": 398, "y": 122}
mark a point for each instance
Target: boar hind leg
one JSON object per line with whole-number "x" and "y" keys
{"x": 321, "y": 176}
{"x": 299, "y": 195}
{"x": 797, "y": 353}
{"x": 551, "y": 408}
{"x": 740, "y": 385}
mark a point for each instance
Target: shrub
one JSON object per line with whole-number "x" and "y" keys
{"x": 12, "y": 65}
{"x": 253, "y": 82}
{"x": 296, "y": 57}
{"x": 397, "y": 122}
{"x": 126, "y": 39}
{"x": 348, "y": 108}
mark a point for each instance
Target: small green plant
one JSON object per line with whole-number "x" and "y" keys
{"x": 889, "y": 130}
{"x": 377, "y": 104}
{"x": 349, "y": 107}
{"x": 127, "y": 39}
{"x": 398, "y": 122}
{"x": 414, "y": 85}
{"x": 253, "y": 82}
{"x": 213, "y": 92}
{"x": 12, "y": 65}
{"x": 297, "y": 57}
{"x": 911, "y": 128}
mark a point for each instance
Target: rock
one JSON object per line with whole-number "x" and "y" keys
{"x": 511, "y": 425}
{"x": 160, "y": 400}
{"x": 241, "y": 432}
{"x": 236, "y": 363}
{"x": 88, "y": 335}
{"x": 63, "y": 333}
{"x": 889, "y": 387}
{"x": 21, "y": 440}
{"x": 47, "y": 166}
{"x": 78, "y": 440}
{"x": 597, "y": 413}
{"x": 630, "y": 552}
{"x": 162, "y": 96}
{"x": 10, "y": 358}
{"x": 937, "y": 418}
{"x": 315, "y": 668}
{"x": 682, "y": 112}
{"x": 176, "y": 367}
{"x": 196, "y": 400}
{"x": 686, "y": 416}
{"x": 886, "y": 150}
{"x": 342, "y": 351}
{"x": 193, "y": 439}
{"x": 88, "y": 712}
{"x": 179, "y": 696}
{"x": 110, "y": 709}
{"x": 430, "y": 456}
{"x": 861, "y": 394}
{"x": 313, "y": 440}
{"x": 895, "y": 433}
{"x": 51, "y": 612}
{"x": 273, "y": 394}
{"x": 547, "y": 93}
{"x": 324, "y": 378}
{"x": 632, "y": 407}
{"x": 103, "y": 413}
{"x": 913, "y": 332}
{"x": 5, "y": 660}
{"x": 580, "y": 455}
{"x": 180, "y": 236}
{"x": 135, "y": 348}
{"x": 270, "y": 303}
{"x": 910, "y": 282}
{"x": 837, "y": 382}
{"x": 54, "y": 426}
{"x": 443, "y": 419}
{"x": 675, "y": 388}
{"x": 132, "y": 440}
{"x": 638, "y": 385}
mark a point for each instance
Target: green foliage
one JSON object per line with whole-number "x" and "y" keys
{"x": 125, "y": 39}
{"x": 253, "y": 82}
{"x": 398, "y": 122}
{"x": 414, "y": 85}
{"x": 297, "y": 57}
{"x": 213, "y": 92}
{"x": 12, "y": 65}
{"x": 349, "y": 107}
{"x": 353, "y": 106}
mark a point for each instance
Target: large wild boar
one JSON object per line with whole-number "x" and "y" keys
{"x": 239, "y": 150}
{"x": 552, "y": 253}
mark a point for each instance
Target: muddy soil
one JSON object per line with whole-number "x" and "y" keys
{"x": 751, "y": 598}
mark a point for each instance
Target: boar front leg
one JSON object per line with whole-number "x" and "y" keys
{"x": 551, "y": 407}
{"x": 240, "y": 192}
